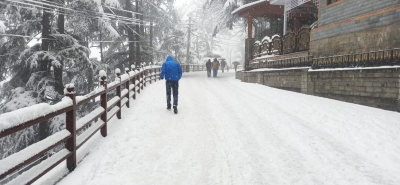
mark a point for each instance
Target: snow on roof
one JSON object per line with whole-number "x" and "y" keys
{"x": 247, "y": 5}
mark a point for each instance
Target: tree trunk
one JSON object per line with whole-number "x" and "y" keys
{"x": 130, "y": 34}
{"x": 44, "y": 65}
{"x": 151, "y": 41}
{"x": 138, "y": 58}
{"x": 58, "y": 70}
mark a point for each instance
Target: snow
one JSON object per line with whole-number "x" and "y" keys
{"x": 117, "y": 70}
{"x": 126, "y": 69}
{"x": 81, "y": 138}
{"x": 102, "y": 73}
{"x": 247, "y": 5}
{"x": 27, "y": 153}
{"x": 36, "y": 170}
{"x": 124, "y": 77}
{"x": 82, "y": 98}
{"x": 264, "y": 57}
{"x": 124, "y": 101}
{"x": 133, "y": 67}
{"x": 124, "y": 92}
{"x": 112, "y": 112}
{"x": 112, "y": 102}
{"x": 20, "y": 116}
{"x": 278, "y": 69}
{"x": 71, "y": 85}
{"x": 3, "y": 27}
{"x": 230, "y": 132}
{"x": 355, "y": 68}
{"x": 266, "y": 38}
{"x": 83, "y": 121}
{"x": 113, "y": 3}
{"x": 275, "y": 36}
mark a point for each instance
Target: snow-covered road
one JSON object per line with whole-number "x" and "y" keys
{"x": 229, "y": 132}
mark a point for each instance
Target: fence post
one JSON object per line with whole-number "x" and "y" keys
{"x": 150, "y": 75}
{"x": 145, "y": 75}
{"x": 143, "y": 80}
{"x": 119, "y": 92}
{"x": 103, "y": 102}
{"x": 70, "y": 123}
{"x": 127, "y": 86}
{"x": 134, "y": 81}
{"x": 140, "y": 82}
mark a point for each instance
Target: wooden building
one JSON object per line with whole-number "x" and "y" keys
{"x": 322, "y": 32}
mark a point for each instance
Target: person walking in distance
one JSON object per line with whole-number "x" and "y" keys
{"x": 172, "y": 72}
{"x": 208, "y": 66}
{"x": 215, "y": 66}
{"x": 223, "y": 63}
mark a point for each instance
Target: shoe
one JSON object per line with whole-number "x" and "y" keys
{"x": 175, "y": 110}
{"x": 169, "y": 107}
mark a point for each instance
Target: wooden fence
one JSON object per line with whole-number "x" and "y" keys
{"x": 193, "y": 67}
{"x": 132, "y": 82}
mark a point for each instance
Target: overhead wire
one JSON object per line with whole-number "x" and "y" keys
{"x": 89, "y": 13}
{"x": 46, "y": 6}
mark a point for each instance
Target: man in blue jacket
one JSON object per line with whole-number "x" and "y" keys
{"x": 172, "y": 72}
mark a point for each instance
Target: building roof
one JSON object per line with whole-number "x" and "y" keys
{"x": 261, "y": 8}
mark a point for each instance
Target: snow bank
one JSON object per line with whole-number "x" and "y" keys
{"x": 20, "y": 116}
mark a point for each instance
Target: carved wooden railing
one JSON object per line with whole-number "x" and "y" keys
{"x": 276, "y": 45}
{"x": 132, "y": 81}
{"x": 302, "y": 61}
{"x": 303, "y": 42}
{"x": 289, "y": 43}
{"x": 265, "y": 47}
{"x": 370, "y": 59}
{"x": 256, "y": 50}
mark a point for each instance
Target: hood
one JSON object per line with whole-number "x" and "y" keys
{"x": 169, "y": 58}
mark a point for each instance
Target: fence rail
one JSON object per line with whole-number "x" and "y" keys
{"x": 132, "y": 81}
{"x": 193, "y": 67}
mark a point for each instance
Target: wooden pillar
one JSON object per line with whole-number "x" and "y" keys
{"x": 103, "y": 103}
{"x": 250, "y": 27}
{"x": 71, "y": 127}
{"x": 119, "y": 95}
{"x": 127, "y": 83}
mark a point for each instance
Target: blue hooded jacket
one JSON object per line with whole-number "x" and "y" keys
{"x": 171, "y": 70}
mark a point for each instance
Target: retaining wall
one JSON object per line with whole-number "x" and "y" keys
{"x": 375, "y": 87}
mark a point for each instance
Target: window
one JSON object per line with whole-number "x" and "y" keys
{"x": 332, "y": 1}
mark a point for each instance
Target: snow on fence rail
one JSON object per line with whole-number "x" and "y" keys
{"x": 12, "y": 122}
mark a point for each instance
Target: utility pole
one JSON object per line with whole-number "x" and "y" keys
{"x": 188, "y": 44}
{"x": 137, "y": 37}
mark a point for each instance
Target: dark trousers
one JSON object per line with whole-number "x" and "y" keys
{"x": 215, "y": 72}
{"x": 208, "y": 72}
{"x": 174, "y": 85}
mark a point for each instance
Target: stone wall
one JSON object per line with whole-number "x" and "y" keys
{"x": 356, "y": 26}
{"x": 347, "y": 9}
{"x": 375, "y": 39}
{"x": 371, "y": 87}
